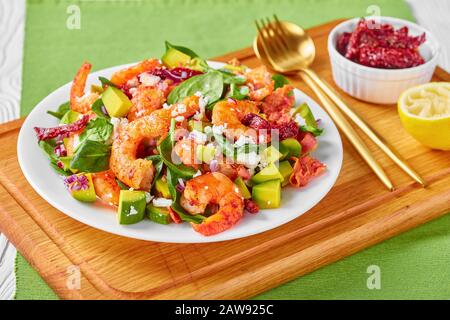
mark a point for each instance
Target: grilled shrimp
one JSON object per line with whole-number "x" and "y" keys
{"x": 230, "y": 113}
{"x": 147, "y": 99}
{"x": 121, "y": 77}
{"x": 106, "y": 187}
{"x": 260, "y": 82}
{"x": 186, "y": 150}
{"x": 138, "y": 173}
{"x": 79, "y": 101}
{"x": 213, "y": 189}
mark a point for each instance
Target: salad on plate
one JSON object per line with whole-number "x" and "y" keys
{"x": 174, "y": 140}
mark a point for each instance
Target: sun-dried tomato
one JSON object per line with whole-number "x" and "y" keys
{"x": 50, "y": 133}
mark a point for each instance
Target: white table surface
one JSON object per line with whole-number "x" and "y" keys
{"x": 432, "y": 14}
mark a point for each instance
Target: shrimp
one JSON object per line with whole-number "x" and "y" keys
{"x": 213, "y": 189}
{"x": 120, "y": 78}
{"x": 106, "y": 187}
{"x": 230, "y": 113}
{"x": 79, "y": 101}
{"x": 147, "y": 99}
{"x": 138, "y": 173}
{"x": 186, "y": 150}
{"x": 260, "y": 82}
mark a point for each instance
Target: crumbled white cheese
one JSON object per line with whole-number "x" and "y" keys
{"x": 250, "y": 160}
{"x": 118, "y": 124}
{"x": 244, "y": 140}
{"x": 132, "y": 212}
{"x": 166, "y": 106}
{"x": 208, "y": 130}
{"x": 148, "y": 197}
{"x": 148, "y": 79}
{"x": 131, "y": 189}
{"x": 219, "y": 129}
{"x": 179, "y": 119}
{"x": 133, "y": 91}
{"x": 197, "y": 174}
{"x": 162, "y": 202}
{"x": 133, "y": 82}
{"x": 199, "y": 137}
{"x": 181, "y": 108}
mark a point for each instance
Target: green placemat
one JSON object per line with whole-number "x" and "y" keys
{"x": 414, "y": 265}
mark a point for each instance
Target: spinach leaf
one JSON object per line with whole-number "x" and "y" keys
{"x": 165, "y": 150}
{"x": 209, "y": 84}
{"x": 230, "y": 78}
{"x": 106, "y": 82}
{"x": 91, "y": 156}
{"x": 280, "y": 80}
{"x": 172, "y": 181}
{"x": 158, "y": 164}
{"x": 238, "y": 93}
{"x": 99, "y": 129}
{"x": 122, "y": 185}
{"x": 185, "y": 50}
{"x": 48, "y": 146}
{"x": 310, "y": 122}
{"x": 314, "y": 130}
{"x": 61, "y": 111}
{"x": 97, "y": 108}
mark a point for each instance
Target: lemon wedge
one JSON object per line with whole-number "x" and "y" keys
{"x": 425, "y": 114}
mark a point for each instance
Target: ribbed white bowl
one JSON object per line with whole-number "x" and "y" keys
{"x": 382, "y": 86}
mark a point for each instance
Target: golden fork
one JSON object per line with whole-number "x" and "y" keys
{"x": 288, "y": 49}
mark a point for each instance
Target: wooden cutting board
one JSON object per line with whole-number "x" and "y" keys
{"x": 357, "y": 213}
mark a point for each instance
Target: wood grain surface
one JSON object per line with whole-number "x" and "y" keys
{"x": 357, "y": 213}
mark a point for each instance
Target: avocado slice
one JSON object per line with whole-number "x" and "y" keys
{"x": 290, "y": 147}
{"x": 242, "y": 188}
{"x": 270, "y": 172}
{"x": 173, "y": 58}
{"x": 66, "y": 164}
{"x": 198, "y": 125}
{"x": 271, "y": 154}
{"x": 158, "y": 214}
{"x": 267, "y": 194}
{"x": 87, "y": 195}
{"x": 285, "y": 169}
{"x": 162, "y": 188}
{"x": 131, "y": 206}
{"x": 69, "y": 117}
{"x": 116, "y": 102}
{"x": 205, "y": 153}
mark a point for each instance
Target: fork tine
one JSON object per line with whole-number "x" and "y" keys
{"x": 280, "y": 30}
{"x": 276, "y": 38}
{"x": 266, "y": 38}
{"x": 271, "y": 38}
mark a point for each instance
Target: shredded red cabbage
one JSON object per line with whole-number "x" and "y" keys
{"x": 177, "y": 75}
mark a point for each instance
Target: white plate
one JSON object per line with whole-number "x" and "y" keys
{"x": 295, "y": 202}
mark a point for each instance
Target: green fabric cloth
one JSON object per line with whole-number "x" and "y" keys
{"x": 414, "y": 265}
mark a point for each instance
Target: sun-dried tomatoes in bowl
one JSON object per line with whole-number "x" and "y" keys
{"x": 376, "y": 60}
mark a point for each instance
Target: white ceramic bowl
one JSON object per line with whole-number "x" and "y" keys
{"x": 382, "y": 86}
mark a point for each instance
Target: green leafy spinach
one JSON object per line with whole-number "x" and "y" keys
{"x": 210, "y": 84}
{"x": 61, "y": 111}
